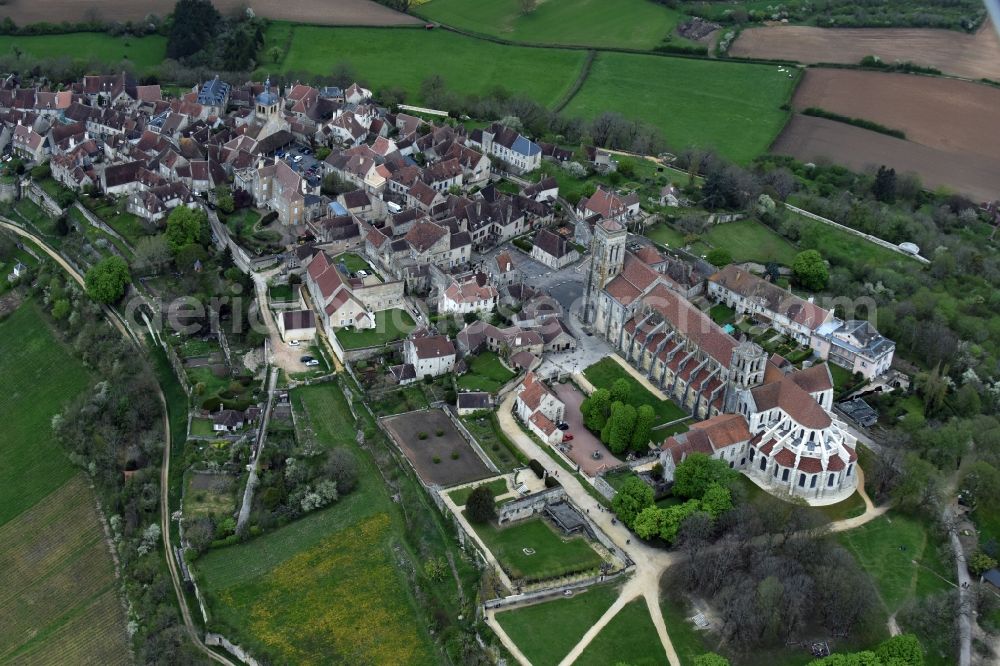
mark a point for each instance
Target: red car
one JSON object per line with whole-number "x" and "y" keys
{"x": 567, "y": 437}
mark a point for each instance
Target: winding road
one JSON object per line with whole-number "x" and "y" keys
{"x": 115, "y": 320}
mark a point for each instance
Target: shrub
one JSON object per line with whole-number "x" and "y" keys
{"x": 421, "y": 435}
{"x": 439, "y": 432}
{"x": 537, "y": 468}
{"x": 437, "y": 460}
{"x": 551, "y": 482}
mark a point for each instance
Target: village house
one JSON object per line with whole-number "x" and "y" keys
{"x": 553, "y": 250}
{"x": 539, "y": 408}
{"x": 608, "y": 205}
{"x": 297, "y": 325}
{"x": 430, "y": 356}
{"x": 470, "y": 293}
{"x": 520, "y": 153}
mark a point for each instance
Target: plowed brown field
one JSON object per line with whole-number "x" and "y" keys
{"x": 945, "y": 114}
{"x": 815, "y": 139}
{"x": 973, "y": 56}
{"x": 323, "y": 12}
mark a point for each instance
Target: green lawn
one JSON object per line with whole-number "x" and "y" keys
{"x": 749, "y": 240}
{"x": 143, "y": 52}
{"x": 554, "y": 555}
{"x": 390, "y": 325}
{"x": 486, "y": 373}
{"x": 887, "y": 548}
{"x": 40, "y": 377}
{"x": 202, "y": 428}
{"x": 844, "y": 248}
{"x": 404, "y": 57}
{"x": 327, "y": 586}
{"x": 665, "y": 234}
{"x": 630, "y": 637}
{"x": 131, "y": 227}
{"x": 722, "y": 314}
{"x": 734, "y": 108}
{"x": 353, "y": 262}
{"x": 604, "y": 373}
{"x": 546, "y": 632}
{"x": 497, "y": 487}
{"x": 688, "y": 642}
{"x": 634, "y": 24}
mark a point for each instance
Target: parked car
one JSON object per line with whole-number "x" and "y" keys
{"x": 312, "y": 363}
{"x": 293, "y": 343}
{"x": 562, "y": 425}
{"x": 306, "y": 358}
{"x": 362, "y": 274}
{"x": 298, "y": 158}
{"x": 567, "y": 437}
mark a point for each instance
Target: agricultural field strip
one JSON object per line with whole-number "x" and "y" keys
{"x": 329, "y": 12}
{"x": 972, "y": 56}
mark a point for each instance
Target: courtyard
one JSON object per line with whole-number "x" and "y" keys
{"x": 533, "y": 550}
{"x": 436, "y": 449}
{"x": 585, "y": 444}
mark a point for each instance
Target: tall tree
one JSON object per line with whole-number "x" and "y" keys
{"x": 884, "y": 187}
{"x": 643, "y": 431}
{"x": 184, "y": 227}
{"x": 634, "y": 496}
{"x": 106, "y": 280}
{"x": 810, "y": 270}
{"x": 481, "y": 507}
{"x": 194, "y": 26}
{"x": 697, "y": 472}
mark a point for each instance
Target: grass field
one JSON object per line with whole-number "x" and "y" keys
{"x": 497, "y": 487}
{"x": 634, "y": 24}
{"x": 405, "y": 57}
{"x": 630, "y": 637}
{"x": 143, "y": 52}
{"x": 605, "y": 372}
{"x": 486, "y": 373}
{"x": 40, "y": 378}
{"x": 390, "y": 325}
{"x": 843, "y": 248}
{"x": 749, "y": 240}
{"x": 59, "y": 594}
{"x": 554, "y": 555}
{"x": 734, "y": 108}
{"x": 493, "y": 441}
{"x": 546, "y": 632}
{"x": 327, "y": 587}
{"x": 887, "y": 548}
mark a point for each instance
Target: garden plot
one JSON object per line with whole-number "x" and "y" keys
{"x": 436, "y": 449}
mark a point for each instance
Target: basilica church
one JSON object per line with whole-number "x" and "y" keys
{"x": 758, "y": 413}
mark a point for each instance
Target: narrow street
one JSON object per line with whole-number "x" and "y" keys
{"x": 257, "y": 449}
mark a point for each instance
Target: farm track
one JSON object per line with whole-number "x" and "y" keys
{"x": 321, "y": 12}
{"x": 116, "y": 321}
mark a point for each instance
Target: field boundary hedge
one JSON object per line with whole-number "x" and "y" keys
{"x": 581, "y": 78}
{"x": 857, "y": 122}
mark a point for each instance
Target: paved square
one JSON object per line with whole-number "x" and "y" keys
{"x": 584, "y": 443}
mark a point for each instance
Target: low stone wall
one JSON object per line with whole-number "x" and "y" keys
{"x": 526, "y": 507}
{"x": 218, "y": 640}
